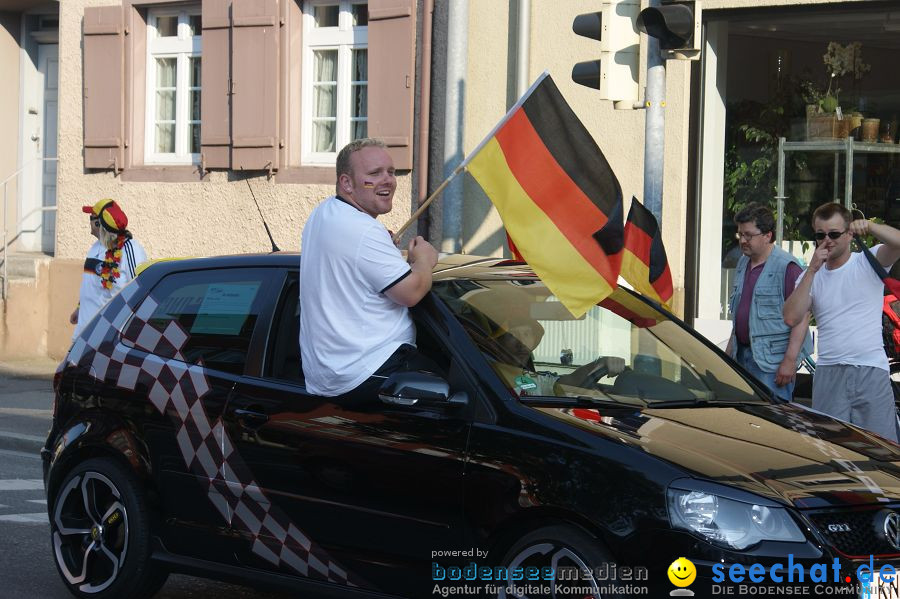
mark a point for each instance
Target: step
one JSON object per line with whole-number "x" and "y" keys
{"x": 23, "y": 265}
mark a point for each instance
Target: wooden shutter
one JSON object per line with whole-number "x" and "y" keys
{"x": 255, "y": 84}
{"x": 392, "y": 63}
{"x": 104, "y": 87}
{"x": 215, "y": 109}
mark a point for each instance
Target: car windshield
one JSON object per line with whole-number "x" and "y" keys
{"x": 622, "y": 350}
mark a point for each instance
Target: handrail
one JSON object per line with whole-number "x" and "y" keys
{"x": 22, "y": 168}
{"x": 4, "y": 288}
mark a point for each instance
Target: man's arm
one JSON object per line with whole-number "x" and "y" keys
{"x": 890, "y": 251}
{"x": 422, "y": 258}
{"x": 798, "y": 304}
{"x": 787, "y": 370}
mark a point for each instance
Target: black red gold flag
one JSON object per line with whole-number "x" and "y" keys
{"x": 644, "y": 262}
{"x": 559, "y": 200}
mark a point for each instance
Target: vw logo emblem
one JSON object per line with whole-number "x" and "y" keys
{"x": 892, "y": 529}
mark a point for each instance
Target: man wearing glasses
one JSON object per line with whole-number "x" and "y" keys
{"x": 761, "y": 341}
{"x": 852, "y": 380}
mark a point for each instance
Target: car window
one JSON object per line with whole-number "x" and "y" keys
{"x": 283, "y": 353}
{"x": 203, "y": 317}
{"x": 283, "y": 361}
{"x": 622, "y": 348}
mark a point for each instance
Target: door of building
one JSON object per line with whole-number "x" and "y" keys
{"x": 37, "y": 229}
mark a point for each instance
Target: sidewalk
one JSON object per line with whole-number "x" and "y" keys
{"x": 26, "y": 403}
{"x": 29, "y": 368}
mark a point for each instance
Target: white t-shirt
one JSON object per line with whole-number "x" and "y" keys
{"x": 348, "y": 326}
{"x": 92, "y": 295}
{"x": 847, "y": 304}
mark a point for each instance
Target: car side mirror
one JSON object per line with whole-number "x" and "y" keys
{"x": 419, "y": 388}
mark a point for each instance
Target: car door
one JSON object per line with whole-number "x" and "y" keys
{"x": 184, "y": 349}
{"x": 373, "y": 489}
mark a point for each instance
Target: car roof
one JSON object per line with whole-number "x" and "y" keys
{"x": 449, "y": 266}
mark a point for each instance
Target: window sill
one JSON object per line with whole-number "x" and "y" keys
{"x": 188, "y": 173}
{"x": 311, "y": 175}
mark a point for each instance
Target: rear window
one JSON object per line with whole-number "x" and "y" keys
{"x": 202, "y": 317}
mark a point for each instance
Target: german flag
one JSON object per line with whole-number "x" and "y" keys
{"x": 559, "y": 200}
{"x": 644, "y": 263}
{"x": 632, "y": 309}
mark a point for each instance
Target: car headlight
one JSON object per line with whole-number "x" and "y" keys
{"x": 735, "y": 523}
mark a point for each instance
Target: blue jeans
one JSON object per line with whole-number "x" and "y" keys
{"x": 745, "y": 359}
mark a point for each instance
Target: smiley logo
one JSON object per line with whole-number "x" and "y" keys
{"x": 682, "y": 572}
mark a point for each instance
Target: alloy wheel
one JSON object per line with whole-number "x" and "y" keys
{"x": 90, "y": 532}
{"x": 578, "y": 580}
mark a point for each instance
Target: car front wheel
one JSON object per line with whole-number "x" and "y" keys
{"x": 575, "y": 557}
{"x": 100, "y": 532}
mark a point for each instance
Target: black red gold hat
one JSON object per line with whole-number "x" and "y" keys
{"x": 111, "y": 216}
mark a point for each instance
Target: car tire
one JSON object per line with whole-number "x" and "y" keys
{"x": 100, "y": 533}
{"x": 556, "y": 546}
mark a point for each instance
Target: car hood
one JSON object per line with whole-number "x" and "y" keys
{"x": 782, "y": 451}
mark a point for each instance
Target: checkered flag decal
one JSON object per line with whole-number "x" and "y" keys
{"x": 176, "y": 387}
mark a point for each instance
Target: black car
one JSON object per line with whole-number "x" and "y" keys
{"x": 543, "y": 456}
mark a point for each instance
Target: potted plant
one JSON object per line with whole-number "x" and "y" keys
{"x": 829, "y": 121}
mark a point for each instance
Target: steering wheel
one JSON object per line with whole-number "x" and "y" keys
{"x": 588, "y": 375}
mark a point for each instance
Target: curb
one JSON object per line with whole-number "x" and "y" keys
{"x": 20, "y": 442}
{"x": 29, "y": 370}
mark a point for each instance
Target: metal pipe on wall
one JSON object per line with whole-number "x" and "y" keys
{"x": 423, "y": 226}
{"x": 453, "y": 154}
{"x": 523, "y": 47}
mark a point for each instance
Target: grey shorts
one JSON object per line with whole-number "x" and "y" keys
{"x": 861, "y": 395}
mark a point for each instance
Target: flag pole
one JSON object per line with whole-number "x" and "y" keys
{"x": 471, "y": 155}
{"x": 428, "y": 201}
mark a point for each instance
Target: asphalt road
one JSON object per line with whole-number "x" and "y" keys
{"x": 26, "y": 564}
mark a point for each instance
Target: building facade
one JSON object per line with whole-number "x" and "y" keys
{"x": 204, "y": 118}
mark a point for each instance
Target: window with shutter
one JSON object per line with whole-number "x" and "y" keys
{"x": 335, "y": 78}
{"x": 172, "y": 133}
{"x": 392, "y": 63}
{"x": 104, "y": 87}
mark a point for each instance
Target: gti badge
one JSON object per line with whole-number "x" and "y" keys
{"x": 839, "y": 527}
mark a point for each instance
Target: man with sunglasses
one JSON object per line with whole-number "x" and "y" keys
{"x": 852, "y": 380}
{"x": 761, "y": 341}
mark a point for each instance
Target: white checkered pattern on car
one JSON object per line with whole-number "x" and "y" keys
{"x": 203, "y": 444}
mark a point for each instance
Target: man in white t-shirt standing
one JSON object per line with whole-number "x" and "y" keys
{"x": 355, "y": 287}
{"x": 852, "y": 380}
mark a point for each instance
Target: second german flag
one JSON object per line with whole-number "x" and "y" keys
{"x": 644, "y": 262}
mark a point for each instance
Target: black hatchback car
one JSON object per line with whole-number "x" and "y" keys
{"x": 544, "y": 456}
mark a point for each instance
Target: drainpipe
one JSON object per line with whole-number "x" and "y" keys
{"x": 453, "y": 155}
{"x": 423, "y": 226}
{"x": 523, "y": 46}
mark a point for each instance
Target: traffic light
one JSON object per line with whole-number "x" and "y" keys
{"x": 676, "y": 24}
{"x": 615, "y": 74}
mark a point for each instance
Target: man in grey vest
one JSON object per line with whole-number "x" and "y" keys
{"x": 760, "y": 340}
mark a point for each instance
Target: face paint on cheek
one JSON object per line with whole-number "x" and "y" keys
{"x": 368, "y": 185}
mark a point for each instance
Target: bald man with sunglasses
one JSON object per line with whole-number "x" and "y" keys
{"x": 852, "y": 380}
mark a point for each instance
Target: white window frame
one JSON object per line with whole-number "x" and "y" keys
{"x": 182, "y": 48}
{"x": 344, "y": 38}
